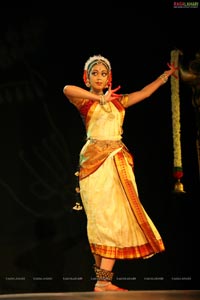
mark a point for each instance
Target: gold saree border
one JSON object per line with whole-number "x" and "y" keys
{"x": 155, "y": 244}
{"x": 136, "y": 252}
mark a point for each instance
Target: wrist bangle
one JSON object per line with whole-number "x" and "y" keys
{"x": 164, "y": 77}
{"x": 102, "y": 100}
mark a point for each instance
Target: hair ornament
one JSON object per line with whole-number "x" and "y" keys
{"x": 97, "y": 59}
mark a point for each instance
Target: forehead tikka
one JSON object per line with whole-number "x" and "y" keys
{"x": 97, "y": 62}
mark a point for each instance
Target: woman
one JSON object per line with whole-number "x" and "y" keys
{"x": 118, "y": 227}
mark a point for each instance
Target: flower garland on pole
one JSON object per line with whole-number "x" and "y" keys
{"x": 176, "y": 126}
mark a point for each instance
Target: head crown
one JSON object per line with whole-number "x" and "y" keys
{"x": 95, "y": 59}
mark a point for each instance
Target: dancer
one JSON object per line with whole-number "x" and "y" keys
{"x": 118, "y": 226}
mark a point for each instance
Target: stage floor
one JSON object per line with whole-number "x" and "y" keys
{"x": 130, "y": 295}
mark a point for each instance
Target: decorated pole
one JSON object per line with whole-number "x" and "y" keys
{"x": 176, "y": 126}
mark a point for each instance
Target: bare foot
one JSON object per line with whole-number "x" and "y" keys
{"x": 108, "y": 287}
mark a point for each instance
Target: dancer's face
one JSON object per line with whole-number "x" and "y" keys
{"x": 98, "y": 78}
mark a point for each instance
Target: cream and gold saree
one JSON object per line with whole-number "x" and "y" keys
{"x": 117, "y": 224}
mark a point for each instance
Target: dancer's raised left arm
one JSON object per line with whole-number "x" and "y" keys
{"x": 150, "y": 88}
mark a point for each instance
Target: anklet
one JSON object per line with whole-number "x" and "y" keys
{"x": 102, "y": 284}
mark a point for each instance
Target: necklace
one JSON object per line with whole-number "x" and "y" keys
{"x": 108, "y": 109}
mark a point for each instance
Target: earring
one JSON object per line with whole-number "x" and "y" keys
{"x": 87, "y": 83}
{"x": 107, "y": 84}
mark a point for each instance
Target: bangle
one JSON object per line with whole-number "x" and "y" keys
{"x": 164, "y": 77}
{"x": 102, "y": 100}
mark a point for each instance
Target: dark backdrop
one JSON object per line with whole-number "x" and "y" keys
{"x": 43, "y": 242}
